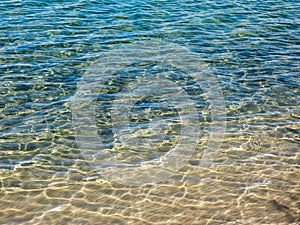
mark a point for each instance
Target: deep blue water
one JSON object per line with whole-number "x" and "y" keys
{"x": 50, "y": 49}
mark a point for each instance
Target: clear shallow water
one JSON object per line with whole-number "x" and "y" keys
{"x": 251, "y": 48}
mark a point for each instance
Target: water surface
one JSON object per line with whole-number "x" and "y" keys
{"x": 250, "y": 47}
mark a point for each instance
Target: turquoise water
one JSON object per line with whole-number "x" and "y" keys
{"x": 145, "y": 77}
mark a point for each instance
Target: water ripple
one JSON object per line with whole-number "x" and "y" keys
{"x": 252, "y": 47}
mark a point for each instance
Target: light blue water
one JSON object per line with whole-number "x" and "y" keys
{"x": 250, "y": 49}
